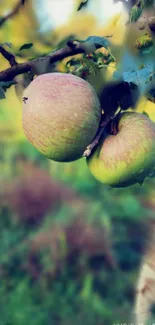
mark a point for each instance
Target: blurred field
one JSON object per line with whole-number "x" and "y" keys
{"x": 70, "y": 247}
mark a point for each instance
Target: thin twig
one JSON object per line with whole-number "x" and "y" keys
{"x": 8, "y": 56}
{"x": 12, "y": 13}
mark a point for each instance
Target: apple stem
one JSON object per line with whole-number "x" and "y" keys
{"x": 103, "y": 124}
{"x": 114, "y": 124}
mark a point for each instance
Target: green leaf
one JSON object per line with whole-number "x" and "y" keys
{"x": 4, "y": 85}
{"x": 2, "y": 93}
{"x": 26, "y": 46}
{"x": 7, "y": 44}
{"x": 132, "y": 71}
{"x": 92, "y": 43}
{"x": 92, "y": 67}
{"x": 97, "y": 41}
{"x": 83, "y": 4}
{"x": 7, "y": 84}
{"x": 136, "y": 11}
{"x": 42, "y": 66}
{"x": 148, "y": 3}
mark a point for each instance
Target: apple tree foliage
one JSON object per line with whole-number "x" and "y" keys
{"x": 133, "y": 76}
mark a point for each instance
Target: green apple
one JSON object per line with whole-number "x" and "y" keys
{"x": 127, "y": 157}
{"x": 61, "y": 114}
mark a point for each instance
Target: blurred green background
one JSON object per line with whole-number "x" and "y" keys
{"x": 70, "y": 247}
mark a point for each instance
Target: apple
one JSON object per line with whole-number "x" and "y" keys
{"x": 125, "y": 158}
{"x": 146, "y": 106}
{"x": 61, "y": 115}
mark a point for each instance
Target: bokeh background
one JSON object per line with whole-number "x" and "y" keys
{"x": 70, "y": 247}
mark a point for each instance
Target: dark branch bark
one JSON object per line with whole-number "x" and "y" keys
{"x": 12, "y": 13}
{"x": 8, "y": 56}
{"x": 9, "y": 74}
{"x": 15, "y": 70}
{"x": 66, "y": 52}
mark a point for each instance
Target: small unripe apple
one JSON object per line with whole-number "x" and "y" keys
{"x": 61, "y": 115}
{"x": 127, "y": 157}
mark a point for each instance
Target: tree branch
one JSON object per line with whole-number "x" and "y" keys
{"x": 90, "y": 45}
{"x": 12, "y": 13}
{"x": 8, "y": 56}
{"x": 10, "y": 73}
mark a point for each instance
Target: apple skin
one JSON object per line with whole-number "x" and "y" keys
{"x": 146, "y": 106}
{"x": 61, "y": 114}
{"x": 128, "y": 157}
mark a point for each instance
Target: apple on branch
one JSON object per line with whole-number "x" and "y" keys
{"x": 61, "y": 115}
{"x": 128, "y": 157}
